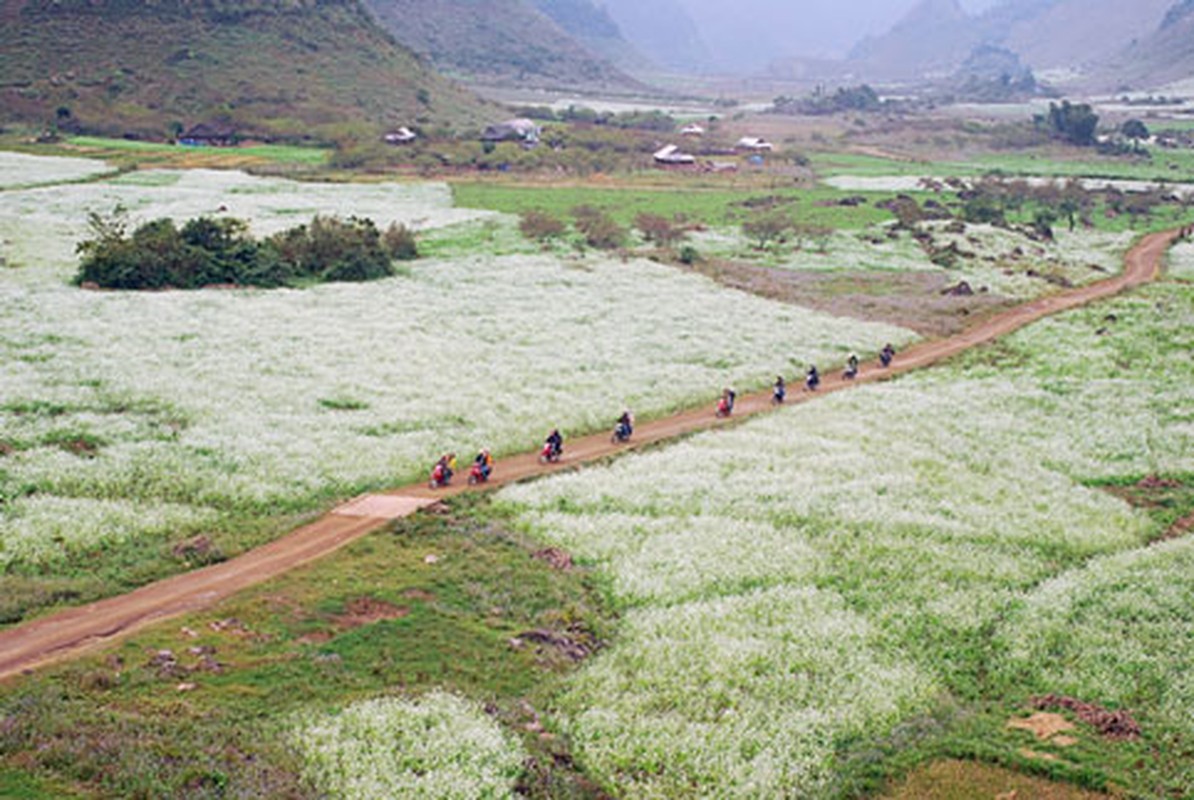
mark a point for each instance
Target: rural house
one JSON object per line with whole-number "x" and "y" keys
{"x": 512, "y": 130}
{"x": 208, "y": 135}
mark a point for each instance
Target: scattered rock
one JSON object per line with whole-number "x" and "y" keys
{"x": 560, "y": 642}
{"x": 960, "y": 289}
{"x": 188, "y": 633}
{"x": 431, "y": 558}
{"x": 1112, "y": 724}
{"x": 186, "y": 687}
{"x": 555, "y": 557}
{"x": 200, "y": 549}
{"x": 1157, "y": 482}
{"x": 230, "y": 625}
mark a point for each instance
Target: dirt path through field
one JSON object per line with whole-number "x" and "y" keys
{"x": 70, "y": 632}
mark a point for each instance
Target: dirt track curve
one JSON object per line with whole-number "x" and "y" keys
{"x": 70, "y": 632}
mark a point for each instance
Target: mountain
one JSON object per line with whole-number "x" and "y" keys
{"x": 591, "y": 25}
{"x": 292, "y": 68}
{"x": 664, "y": 32}
{"x": 1069, "y": 33}
{"x": 934, "y": 37}
{"x": 1164, "y": 56}
{"x": 502, "y": 41}
{"x": 938, "y": 35}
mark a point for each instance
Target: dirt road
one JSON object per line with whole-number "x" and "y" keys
{"x": 73, "y": 631}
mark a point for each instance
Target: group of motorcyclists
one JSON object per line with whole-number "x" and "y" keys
{"x": 553, "y": 444}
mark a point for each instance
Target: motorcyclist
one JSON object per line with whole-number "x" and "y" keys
{"x": 556, "y": 441}
{"x": 812, "y": 379}
{"x": 626, "y": 423}
{"x": 447, "y": 462}
{"x": 851, "y": 367}
{"x": 484, "y": 462}
{"x": 780, "y": 391}
{"x": 886, "y": 354}
{"x": 725, "y": 406}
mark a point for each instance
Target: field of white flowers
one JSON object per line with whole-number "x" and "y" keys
{"x": 913, "y": 183}
{"x": 806, "y": 580}
{"x": 20, "y": 170}
{"x": 438, "y": 747}
{"x": 1001, "y": 258}
{"x": 199, "y": 404}
{"x": 1181, "y": 261}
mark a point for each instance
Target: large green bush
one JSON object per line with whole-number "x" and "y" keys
{"x": 207, "y": 251}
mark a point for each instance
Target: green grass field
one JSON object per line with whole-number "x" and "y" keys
{"x": 709, "y": 206}
{"x": 275, "y": 153}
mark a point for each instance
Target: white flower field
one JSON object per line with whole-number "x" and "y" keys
{"x": 233, "y": 402}
{"x": 1001, "y": 259}
{"x": 1181, "y": 261}
{"x": 814, "y": 576}
{"x": 438, "y": 747}
{"x": 20, "y": 170}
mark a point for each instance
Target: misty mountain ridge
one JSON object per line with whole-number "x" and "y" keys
{"x": 1165, "y": 56}
{"x": 505, "y": 41}
{"x": 938, "y": 36}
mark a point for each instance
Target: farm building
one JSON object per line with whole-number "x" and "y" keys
{"x": 753, "y": 143}
{"x": 671, "y": 156}
{"x": 208, "y": 135}
{"x": 512, "y": 130}
{"x": 403, "y": 135}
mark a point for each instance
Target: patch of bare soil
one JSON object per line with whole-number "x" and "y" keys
{"x": 1180, "y": 528}
{"x": 1112, "y": 724}
{"x": 358, "y": 612}
{"x": 923, "y": 301}
{"x": 1042, "y": 725}
{"x": 365, "y": 610}
{"x": 952, "y": 779}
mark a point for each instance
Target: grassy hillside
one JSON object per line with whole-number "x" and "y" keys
{"x": 495, "y": 41}
{"x": 296, "y": 68}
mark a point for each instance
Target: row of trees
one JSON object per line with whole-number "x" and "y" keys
{"x": 207, "y": 251}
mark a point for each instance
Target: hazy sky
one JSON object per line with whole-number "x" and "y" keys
{"x": 817, "y": 28}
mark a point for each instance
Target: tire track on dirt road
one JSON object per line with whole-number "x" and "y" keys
{"x": 73, "y": 631}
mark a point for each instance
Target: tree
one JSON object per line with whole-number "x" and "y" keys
{"x": 1135, "y": 130}
{"x": 1075, "y": 124}
{"x": 599, "y": 228}
{"x": 540, "y": 226}
{"x": 658, "y": 229}
{"x": 772, "y": 226}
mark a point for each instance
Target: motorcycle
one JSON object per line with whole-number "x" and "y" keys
{"x": 885, "y": 356}
{"x": 724, "y": 409}
{"x": 440, "y": 476}
{"x": 477, "y": 475}
{"x": 621, "y": 434}
{"x": 812, "y": 382}
{"x": 850, "y": 373}
{"x": 549, "y": 454}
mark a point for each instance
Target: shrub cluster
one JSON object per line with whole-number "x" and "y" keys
{"x": 207, "y": 251}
